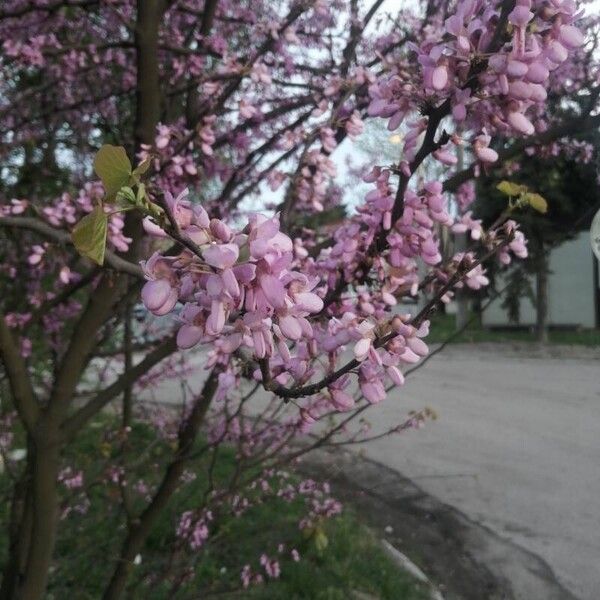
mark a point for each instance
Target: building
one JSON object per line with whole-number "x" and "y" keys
{"x": 573, "y": 290}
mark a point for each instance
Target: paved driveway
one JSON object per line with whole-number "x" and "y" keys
{"x": 516, "y": 448}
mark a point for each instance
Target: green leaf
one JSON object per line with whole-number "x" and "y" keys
{"x": 536, "y": 202}
{"x": 89, "y": 235}
{"x": 141, "y": 194}
{"x": 113, "y": 167}
{"x": 126, "y": 198}
{"x": 321, "y": 540}
{"x": 511, "y": 189}
{"x": 141, "y": 169}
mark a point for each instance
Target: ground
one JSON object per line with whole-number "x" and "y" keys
{"x": 513, "y": 458}
{"x": 444, "y": 326}
{"x": 332, "y": 551}
{"x": 515, "y": 449}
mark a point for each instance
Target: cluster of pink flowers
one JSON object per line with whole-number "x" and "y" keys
{"x": 71, "y": 479}
{"x": 506, "y": 96}
{"x": 194, "y": 529}
{"x": 271, "y": 566}
{"x": 241, "y": 289}
{"x": 64, "y": 212}
{"x": 49, "y": 271}
{"x": 321, "y": 504}
{"x": 30, "y": 53}
{"x": 173, "y": 153}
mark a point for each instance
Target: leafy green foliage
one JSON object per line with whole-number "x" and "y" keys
{"x": 114, "y": 169}
{"x": 352, "y": 560}
{"x": 511, "y": 189}
{"x": 524, "y": 197}
{"x": 89, "y": 235}
{"x": 536, "y": 201}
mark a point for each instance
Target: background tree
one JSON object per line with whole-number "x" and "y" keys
{"x": 210, "y": 107}
{"x": 567, "y": 177}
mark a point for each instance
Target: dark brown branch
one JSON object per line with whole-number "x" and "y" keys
{"x": 417, "y": 321}
{"x": 74, "y": 423}
{"x": 142, "y": 526}
{"x": 213, "y": 107}
{"x": 208, "y": 15}
{"x": 18, "y": 377}
{"x": 62, "y": 237}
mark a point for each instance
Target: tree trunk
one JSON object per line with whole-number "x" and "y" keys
{"x": 149, "y": 15}
{"x": 541, "y": 297}
{"x": 19, "y": 535}
{"x": 462, "y": 295}
{"x": 44, "y": 493}
{"x": 30, "y": 561}
{"x": 460, "y": 245}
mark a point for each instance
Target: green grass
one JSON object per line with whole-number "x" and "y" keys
{"x": 353, "y": 561}
{"x": 443, "y": 326}
{"x": 339, "y": 557}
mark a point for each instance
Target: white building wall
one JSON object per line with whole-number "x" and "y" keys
{"x": 571, "y": 289}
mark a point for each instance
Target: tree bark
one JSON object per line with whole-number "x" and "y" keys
{"x": 44, "y": 453}
{"x": 37, "y": 540}
{"x": 149, "y": 15}
{"x": 19, "y": 536}
{"x": 44, "y": 492}
{"x": 462, "y": 297}
{"x": 541, "y": 297}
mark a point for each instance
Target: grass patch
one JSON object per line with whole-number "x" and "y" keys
{"x": 443, "y": 326}
{"x": 338, "y": 557}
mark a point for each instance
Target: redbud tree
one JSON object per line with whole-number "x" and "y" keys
{"x": 183, "y": 155}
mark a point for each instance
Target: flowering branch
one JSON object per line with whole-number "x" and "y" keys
{"x": 62, "y": 237}
{"x": 77, "y": 420}
{"x": 462, "y": 271}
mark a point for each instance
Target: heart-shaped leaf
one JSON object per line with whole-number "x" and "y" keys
{"x": 536, "y": 202}
{"x": 511, "y": 189}
{"x": 141, "y": 169}
{"x": 89, "y": 235}
{"x": 113, "y": 167}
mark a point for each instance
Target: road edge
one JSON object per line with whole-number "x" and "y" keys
{"x": 465, "y": 559}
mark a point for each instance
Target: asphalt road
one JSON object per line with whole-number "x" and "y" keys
{"x": 516, "y": 448}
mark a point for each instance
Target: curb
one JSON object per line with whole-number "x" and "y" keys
{"x": 466, "y": 559}
{"x": 408, "y": 565}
